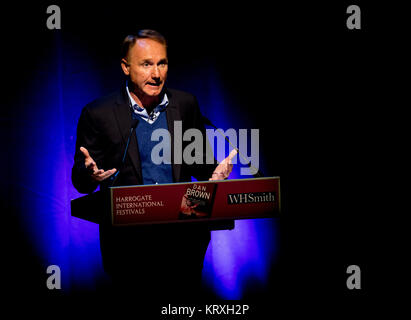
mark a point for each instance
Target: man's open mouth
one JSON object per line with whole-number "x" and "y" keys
{"x": 154, "y": 84}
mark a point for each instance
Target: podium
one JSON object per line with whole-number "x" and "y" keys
{"x": 212, "y": 202}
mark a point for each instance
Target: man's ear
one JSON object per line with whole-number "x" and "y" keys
{"x": 125, "y": 66}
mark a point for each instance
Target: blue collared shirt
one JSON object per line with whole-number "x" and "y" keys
{"x": 140, "y": 111}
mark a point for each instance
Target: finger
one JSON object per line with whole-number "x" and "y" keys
{"x": 217, "y": 176}
{"x": 88, "y": 162}
{"x": 98, "y": 172}
{"x": 91, "y": 165}
{"x": 232, "y": 154}
{"x": 106, "y": 174}
{"x": 224, "y": 174}
{"x": 98, "y": 176}
{"x": 84, "y": 151}
{"x": 111, "y": 171}
{"x": 229, "y": 169}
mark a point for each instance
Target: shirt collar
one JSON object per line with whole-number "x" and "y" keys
{"x": 142, "y": 111}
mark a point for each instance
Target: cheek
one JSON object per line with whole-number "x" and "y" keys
{"x": 138, "y": 76}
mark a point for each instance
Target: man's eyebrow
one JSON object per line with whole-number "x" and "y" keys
{"x": 164, "y": 60}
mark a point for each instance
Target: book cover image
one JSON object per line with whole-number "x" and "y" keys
{"x": 197, "y": 201}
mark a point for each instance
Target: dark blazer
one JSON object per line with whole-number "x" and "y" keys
{"x": 104, "y": 127}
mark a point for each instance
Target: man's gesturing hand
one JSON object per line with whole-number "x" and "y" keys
{"x": 96, "y": 173}
{"x": 223, "y": 170}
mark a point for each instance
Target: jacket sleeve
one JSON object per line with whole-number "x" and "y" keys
{"x": 89, "y": 137}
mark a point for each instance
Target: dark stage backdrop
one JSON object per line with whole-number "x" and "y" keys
{"x": 317, "y": 92}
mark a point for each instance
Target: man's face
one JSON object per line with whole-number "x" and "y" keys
{"x": 147, "y": 66}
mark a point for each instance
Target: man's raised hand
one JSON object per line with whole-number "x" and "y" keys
{"x": 225, "y": 167}
{"x": 96, "y": 173}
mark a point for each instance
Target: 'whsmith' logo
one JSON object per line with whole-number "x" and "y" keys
{"x": 252, "y": 197}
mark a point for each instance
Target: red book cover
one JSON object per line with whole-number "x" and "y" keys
{"x": 197, "y": 201}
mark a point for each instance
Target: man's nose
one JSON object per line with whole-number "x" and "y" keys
{"x": 155, "y": 72}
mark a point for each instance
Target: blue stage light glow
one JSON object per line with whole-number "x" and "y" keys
{"x": 237, "y": 257}
{"x": 56, "y": 97}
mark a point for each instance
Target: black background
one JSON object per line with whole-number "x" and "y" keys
{"x": 337, "y": 97}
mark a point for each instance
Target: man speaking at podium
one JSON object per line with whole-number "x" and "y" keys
{"x": 114, "y": 147}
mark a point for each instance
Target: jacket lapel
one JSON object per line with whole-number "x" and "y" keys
{"x": 124, "y": 120}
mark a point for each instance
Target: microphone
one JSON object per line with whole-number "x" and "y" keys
{"x": 208, "y": 122}
{"x": 113, "y": 178}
